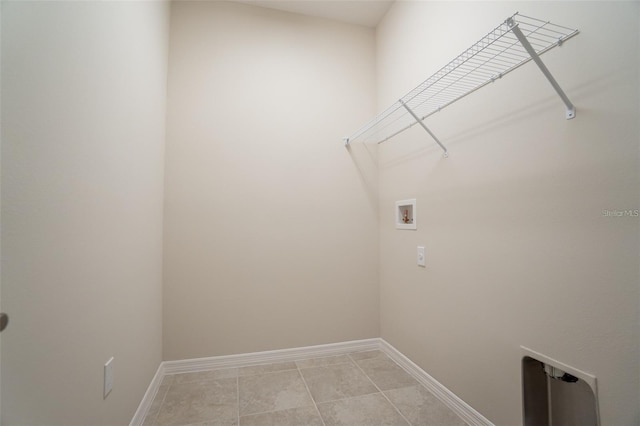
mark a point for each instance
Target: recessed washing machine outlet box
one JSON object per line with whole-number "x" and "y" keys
{"x": 557, "y": 393}
{"x": 406, "y": 214}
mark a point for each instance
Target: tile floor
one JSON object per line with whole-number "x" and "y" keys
{"x": 361, "y": 388}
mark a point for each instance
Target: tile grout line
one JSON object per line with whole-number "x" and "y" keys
{"x": 323, "y": 402}
{"x": 394, "y": 406}
{"x": 267, "y": 372}
{"x": 323, "y": 365}
{"x": 326, "y": 365}
{"x": 310, "y": 396}
{"x": 299, "y": 366}
{"x": 299, "y": 369}
{"x": 349, "y": 397}
{"x": 238, "y": 397}
{"x": 380, "y": 390}
{"x": 155, "y": 418}
{"x": 273, "y": 411}
{"x": 280, "y": 409}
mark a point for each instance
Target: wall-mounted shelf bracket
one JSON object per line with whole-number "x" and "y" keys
{"x": 516, "y": 41}
{"x": 513, "y": 25}
{"x": 419, "y": 121}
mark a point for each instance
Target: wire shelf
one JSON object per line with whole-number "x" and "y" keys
{"x": 496, "y": 54}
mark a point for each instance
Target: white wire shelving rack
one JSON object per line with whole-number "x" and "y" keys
{"x": 518, "y": 40}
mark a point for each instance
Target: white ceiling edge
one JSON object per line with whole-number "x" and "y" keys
{"x": 367, "y": 13}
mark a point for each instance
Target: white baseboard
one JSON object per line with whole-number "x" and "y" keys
{"x": 458, "y": 406}
{"x": 266, "y": 357}
{"x": 149, "y": 395}
{"x": 242, "y": 360}
{"x": 461, "y": 408}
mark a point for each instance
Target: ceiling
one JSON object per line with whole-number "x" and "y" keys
{"x": 359, "y": 12}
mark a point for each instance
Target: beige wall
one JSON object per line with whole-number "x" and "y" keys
{"x": 271, "y": 231}
{"x": 83, "y": 94}
{"x": 518, "y": 251}
{"x": 270, "y": 228}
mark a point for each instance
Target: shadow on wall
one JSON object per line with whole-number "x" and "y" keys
{"x": 365, "y": 158}
{"x": 550, "y": 102}
{"x": 466, "y": 134}
{"x": 488, "y": 125}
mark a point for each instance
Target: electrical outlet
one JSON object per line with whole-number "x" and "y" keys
{"x": 108, "y": 377}
{"x": 421, "y": 259}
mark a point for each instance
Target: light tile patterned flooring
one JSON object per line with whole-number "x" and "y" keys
{"x": 361, "y": 388}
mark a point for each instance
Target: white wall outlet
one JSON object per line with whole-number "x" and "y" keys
{"x": 108, "y": 377}
{"x": 421, "y": 259}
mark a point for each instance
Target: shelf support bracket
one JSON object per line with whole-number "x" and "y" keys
{"x": 419, "y": 121}
{"x": 571, "y": 109}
